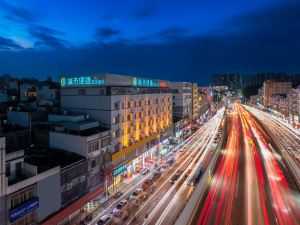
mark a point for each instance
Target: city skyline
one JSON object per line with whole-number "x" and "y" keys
{"x": 172, "y": 41}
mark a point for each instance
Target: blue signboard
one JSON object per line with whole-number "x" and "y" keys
{"x": 80, "y": 81}
{"x": 23, "y": 209}
{"x": 136, "y": 81}
{"x": 119, "y": 170}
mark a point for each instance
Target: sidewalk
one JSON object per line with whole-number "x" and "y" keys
{"x": 126, "y": 184}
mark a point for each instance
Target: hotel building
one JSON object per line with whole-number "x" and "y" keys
{"x": 138, "y": 112}
{"x": 195, "y": 102}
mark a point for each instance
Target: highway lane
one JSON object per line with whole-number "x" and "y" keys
{"x": 249, "y": 185}
{"x": 282, "y": 198}
{"x": 189, "y": 146}
{"x": 288, "y": 139}
{"x": 218, "y": 205}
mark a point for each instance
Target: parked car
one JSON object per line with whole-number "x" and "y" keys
{"x": 147, "y": 184}
{"x": 118, "y": 194}
{"x": 136, "y": 194}
{"x": 105, "y": 220}
{"x": 145, "y": 171}
{"x": 171, "y": 161}
{"x": 164, "y": 167}
{"x": 120, "y": 206}
{"x": 156, "y": 175}
{"x": 174, "y": 178}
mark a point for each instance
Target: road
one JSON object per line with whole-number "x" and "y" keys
{"x": 188, "y": 156}
{"x": 251, "y": 185}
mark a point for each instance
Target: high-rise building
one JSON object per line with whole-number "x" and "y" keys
{"x": 259, "y": 78}
{"x": 231, "y": 80}
{"x": 271, "y": 88}
{"x": 195, "y": 101}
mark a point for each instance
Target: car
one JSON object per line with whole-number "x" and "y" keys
{"x": 174, "y": 178}
{"x": 188, "y": 172}
{"x": 106, "y": 219}
{"x": 118, "y": 194}
{"x": 145, "y": 171}
{"x": 120, "y": 206}
{"x": 164, "y": 167}
{"x": 147, "y": 184}
{"x": 171, "y": 161}
{"x": 89, "y": 218}
{"x": 156, "y": 175}
{"x": 136, "y": 194}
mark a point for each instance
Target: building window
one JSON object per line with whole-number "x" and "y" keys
{"x": 81, "y": 92}
{"x": 94, "y": 146}
{"x": 93, "y": 163}
{"x": 8, "y": 169}
{"x": 21, "y": 197}
{"x": 105, "y": 142}
{"x": 102, "y": 92}
{"x": 18, "y": 169}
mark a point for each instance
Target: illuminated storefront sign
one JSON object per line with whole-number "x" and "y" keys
{"x": 23, "y": 209}
{"x": 136, "y": 81}
{"x": 80, "y": 81}
{"x": 119, "y": 170}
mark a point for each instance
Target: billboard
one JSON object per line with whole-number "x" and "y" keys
{"x": 23, "y": 209}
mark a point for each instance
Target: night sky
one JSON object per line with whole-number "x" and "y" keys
{"x": 167, "y": 39}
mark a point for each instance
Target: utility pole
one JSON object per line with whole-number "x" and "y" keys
{"x": 106, "y": 191}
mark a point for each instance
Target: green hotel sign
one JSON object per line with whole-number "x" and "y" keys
{"x": 136, "y": 81}
{"x": 81, "y": 81}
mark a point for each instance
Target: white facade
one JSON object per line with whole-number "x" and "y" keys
{"x": 182, "y": 99}
{"x": 133, "y": 108}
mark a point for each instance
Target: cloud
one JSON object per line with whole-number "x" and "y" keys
{"x": 47, "y": 37}
{"x": 278, "y": 24}
{"x": 106, "y": 32}
{"x": 260, "y": 41}
{"x": 8, "y": 44}
{"x": 19, "y": 13}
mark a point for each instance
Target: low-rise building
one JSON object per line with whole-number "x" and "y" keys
{"x": 294, "y": 105}
{"x": 84, "y": 136}
{"x": 182, "y": 100}
{"x": 28, "y": 176}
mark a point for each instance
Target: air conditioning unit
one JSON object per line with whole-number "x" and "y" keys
{"x": 69, "y": 186}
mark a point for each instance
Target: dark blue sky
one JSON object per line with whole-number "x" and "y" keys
{"x": 175, "y": 40}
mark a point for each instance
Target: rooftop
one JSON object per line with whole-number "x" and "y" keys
{"x": 47, "y": 158}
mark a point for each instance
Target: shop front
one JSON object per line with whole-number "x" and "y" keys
{"x": 134, "y": 167}
{"x": 118, "y": 173}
